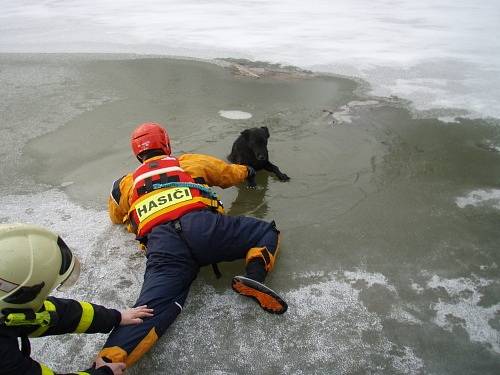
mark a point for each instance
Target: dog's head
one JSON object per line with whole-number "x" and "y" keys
{"x": 256, "y": 139}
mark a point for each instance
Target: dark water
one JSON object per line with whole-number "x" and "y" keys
{"x": 385, "y": 267}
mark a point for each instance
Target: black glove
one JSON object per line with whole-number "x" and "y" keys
{"x": 251, "y": 177}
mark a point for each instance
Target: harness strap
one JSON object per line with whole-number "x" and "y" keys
{"x": 178, "y": 230}
{"x": 215, "y": 268}
{"x": 202, "y": 188}
{"x": 148, "y": 186}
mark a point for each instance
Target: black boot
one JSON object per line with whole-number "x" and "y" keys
{"x": 256, "y": 270}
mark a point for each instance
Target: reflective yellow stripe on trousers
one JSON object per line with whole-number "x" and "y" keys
{"x": 87, "y": 317}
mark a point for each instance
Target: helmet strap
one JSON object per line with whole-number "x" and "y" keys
{"x": 148, "y": 154}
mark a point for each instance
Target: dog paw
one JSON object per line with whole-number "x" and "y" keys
{"x": 283, "y": 177}
{"x": 251, "y": 183}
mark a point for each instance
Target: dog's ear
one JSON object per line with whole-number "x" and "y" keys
{"x": 266, "y": 131}
{"x": 245, "y": 134}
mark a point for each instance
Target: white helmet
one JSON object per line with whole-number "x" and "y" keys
{"x": 33, "y": 261}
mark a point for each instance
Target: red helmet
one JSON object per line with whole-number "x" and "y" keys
{"x": 150, "y": 136}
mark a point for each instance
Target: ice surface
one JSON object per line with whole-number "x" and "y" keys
{"x": 235, "y": 115}
{"x": 438, "y": 54}
{"x": 467, "y": 309}
{"x": 480, "y": 197}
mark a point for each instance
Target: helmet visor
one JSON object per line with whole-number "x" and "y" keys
{"x": 72, "y": 277}
{"x": 66, "y": 256}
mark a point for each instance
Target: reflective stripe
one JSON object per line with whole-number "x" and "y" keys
{"x": 170, "y": 213}
{"x": 156, "y": 172}
{"x": 116, "y": 193}
{"x": 87, "y": 317}
{"x": 160, "y": 201}
{"x": 49, "y": 306}
{"x": 42, "y": 319}
{"x": 46, "y": 370}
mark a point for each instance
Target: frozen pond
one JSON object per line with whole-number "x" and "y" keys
{"x": 390, "y": 255}
{"x": 437, "y": 54}
{"x": 389, "y": 260}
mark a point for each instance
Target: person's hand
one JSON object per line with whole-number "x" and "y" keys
{"x": 251, "y": 183}
{"x": 117, "y": 368}
{"x": 133, "y": 315}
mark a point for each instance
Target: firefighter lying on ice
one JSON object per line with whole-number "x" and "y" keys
{"x": 168, "y": 204}
{"x": 34, "y": 261}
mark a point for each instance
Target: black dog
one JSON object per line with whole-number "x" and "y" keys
{"x": 250, "y": 148}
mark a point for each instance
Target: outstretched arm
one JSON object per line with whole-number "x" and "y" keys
{"x": 83, "y": 317}
{"x": 215, "y": 172}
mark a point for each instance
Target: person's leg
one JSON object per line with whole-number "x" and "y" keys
{"x": 261, "y": 257}
{"x": 170, "y": 270}
{"x": 217, "y": 238}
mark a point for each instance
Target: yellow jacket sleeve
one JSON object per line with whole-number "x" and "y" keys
{"x": 216, "y": 172}
{"x": 119, "y": 199}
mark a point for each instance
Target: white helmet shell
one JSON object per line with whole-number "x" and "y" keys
{"x": 34, "y": 261}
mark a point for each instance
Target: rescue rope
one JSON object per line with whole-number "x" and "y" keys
{"x": 191, "y": 185}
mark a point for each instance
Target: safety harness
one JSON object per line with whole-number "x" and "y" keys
{"x": 163, "y": 192}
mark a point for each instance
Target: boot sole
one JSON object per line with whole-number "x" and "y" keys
{"x": 265, "y": 297}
